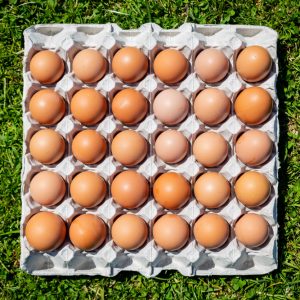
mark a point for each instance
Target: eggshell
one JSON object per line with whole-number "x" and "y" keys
{"x": 47, "y": 188}
{"x": 45, "y": 231}
{"x": 211, "y": 231}
{"x": 129, "y": 232}
{"x": 47, "y": 146}
{"x": 171, "y": 232}
{"x": 130, "y": 189}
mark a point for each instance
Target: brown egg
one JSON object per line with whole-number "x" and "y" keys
{"x": 170, "y": 66}
{"x": 47, "y": 188}
{"x": 88, "y": 106}
{"x": 212, "y": 190}
{"x": 254, "y": 147}
{"x": 170, "y": 107}
{"x": 171, "y": 190}
{"x": 89, "y": 146}
{"x": 129, "y": 232}
{"x": 130, "y": 64}
{"x": 47, "y": 146}
{"x": 171, "y": 146}
{"x": 252, "y": 230}
{"x": 129, "y": 147}
{"x": 212, "y": 106}
{"x": 87, "y": 232}
{"x": 45, "y": 231}
{"x": 171, "y": 232}
{"x": 129, "y": 106}
{"x": 252, "y": 189}
{"x": 89, "y": 65}
{"x": 253, "y": 105}
{"x": 88, "y": 189}
{"x": 47, "y": 107}
{"x": 211, "y": 231}
{"x": 254, "y": 63}
{"x": 46, "y": 67}
{"x": 210, "y": 149}
{"x": 211, "y": 65}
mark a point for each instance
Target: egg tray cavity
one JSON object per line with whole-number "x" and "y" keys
{"x": 233, "y": 258}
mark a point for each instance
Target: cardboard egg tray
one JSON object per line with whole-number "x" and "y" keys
{"x": 231, "y": 259}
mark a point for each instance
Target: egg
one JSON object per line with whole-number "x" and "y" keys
{"x": 45, "y": 231}
{"x": 170, "y": 107}
{"x": 129, "y": 232}
{"x": 171, "y": 190}
{"x": 210, "y": 149}
{"x": 47, "y": 188}
{"x": 212, "y": 190}
{"x": 47, "y": 146}
{"x": 89, "y": 146}
{"x": 88, "y": 189}
{"x": 251, "y": 230}
{"x": 170, "y": 66}
{"x": 211, "y": 231}
{"x": 88, "y": 106}
{"x": 171, "y": 146}
{"x": 89, "y": 65}
{"x": 171, "y": 232}
{"x": 129, "y": 147}
{"x": 211, "y": 65}
{"x": 46, "y": 67}
{"x": 87, "y": 232}
{"x": 252, "y": 189}
{"x": 129, "y": 106}
{"x": 212, "y": 106}
{"x": 130, "y": 189}
{"x": 254, "y": 147}
{"x": 254, "y": 63}
{"x": 253, "y": 106}
{"x": 47, "y": 107}
{"x": 130, "y": 64}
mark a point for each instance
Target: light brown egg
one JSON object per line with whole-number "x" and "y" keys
{"x": 211, "y": 65}
{"x": 254, "y": 63}
{"x": 170, "y": 107}
{"x": 89, "y": 65}
{"x": 171, "y": 190}
{"x": 129, "y": 232}
{"x": 46, "y": 67}
{"x": 253, "y": 105}
{"x": 254, "y": 147}
{"x": 88, "y": 106}
{"x": 88, "y": 189}
{"x": 130, "y": 64}
{"x": 47, "y": 188}
{"x": 210, "y": 149}
{"x": 212, "y": 106}
{"x": 252, "y": 230}
{"x": 89, "y": 146}
{"x": 87, "y": 232}
{"x": 47, "y": 107}
{"x": 47, "y": 146}
{"x": 130, "y": 189}
{"x": 171, "y": 232}
{"x": 171, "y": 146}
{"x": 170, "y": 66}
{"x": 129, "y": 147}
{"x": 212, "y": 190}
{"x": 45, "y": 231}
{"x": 129, "y": 106}
{"x": 252, "y": 189}
{"x": 211, "y": 231}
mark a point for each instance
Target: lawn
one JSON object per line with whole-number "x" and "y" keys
{"x": 282, "y": 16}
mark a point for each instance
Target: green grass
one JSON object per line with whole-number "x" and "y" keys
{"x": 282, "y": 16}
